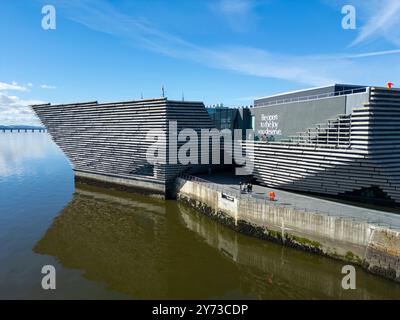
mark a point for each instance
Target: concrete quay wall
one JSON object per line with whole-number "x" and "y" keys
{"x": 140, "y": 185}
{"x": 373, "y": 247}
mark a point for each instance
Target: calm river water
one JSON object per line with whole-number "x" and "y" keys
{"x": 109, "y": 245}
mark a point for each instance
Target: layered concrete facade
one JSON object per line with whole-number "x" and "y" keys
{"x": 324, "y": 140}
{"x": 107, "y": 143}
{"x": 356, "y": 152}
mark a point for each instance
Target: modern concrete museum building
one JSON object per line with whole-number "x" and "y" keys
{"x": 341, "y": 140}
{"x": 337, "y": 140}
{"x": 106, "y": 143}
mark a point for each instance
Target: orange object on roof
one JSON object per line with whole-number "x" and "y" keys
{"x": 271, "y": 196}
{"x": 390, "y": 85}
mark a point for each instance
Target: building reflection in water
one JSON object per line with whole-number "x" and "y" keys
{"x": 151, "y": 249}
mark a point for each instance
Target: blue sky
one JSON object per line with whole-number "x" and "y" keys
{"x": 216, "y": 51}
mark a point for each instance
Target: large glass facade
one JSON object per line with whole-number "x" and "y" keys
{"x": 231, "y": 118}
{"x": 223, "y": 117}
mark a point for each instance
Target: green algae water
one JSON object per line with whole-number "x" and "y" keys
{"x": 110, "y": 245}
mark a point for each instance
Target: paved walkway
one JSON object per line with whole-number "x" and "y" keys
{"x": 310, "y": 203}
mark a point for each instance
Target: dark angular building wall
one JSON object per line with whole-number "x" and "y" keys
{"x": 110, "y": 138}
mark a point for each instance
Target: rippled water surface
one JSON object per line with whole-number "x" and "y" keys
{"x": 109, "y": 245}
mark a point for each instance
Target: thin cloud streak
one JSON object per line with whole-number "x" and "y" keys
{"x": 308, "y": 69}
{"x": 384, "y": 22}
{"x": 239, "y": 14}
{"x": 375, "y": 54}
{"x": 234, "y": 7}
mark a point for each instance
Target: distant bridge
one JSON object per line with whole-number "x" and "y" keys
{"x": 22, "y": 129}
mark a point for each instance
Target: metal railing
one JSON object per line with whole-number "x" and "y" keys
{"x": 332, "y": 134}
{"x": 311, "y": 97}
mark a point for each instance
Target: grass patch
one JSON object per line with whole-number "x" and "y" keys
{"x": 307, "y": 242}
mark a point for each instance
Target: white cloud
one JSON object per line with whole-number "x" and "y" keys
{"x": 47, "y": 86}
{"x": 16, "y": 111}
{"x": 12, "y": 86}
{"x": 382, "y": 21}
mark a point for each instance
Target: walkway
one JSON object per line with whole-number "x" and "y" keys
{"x": 310, "y": 203}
